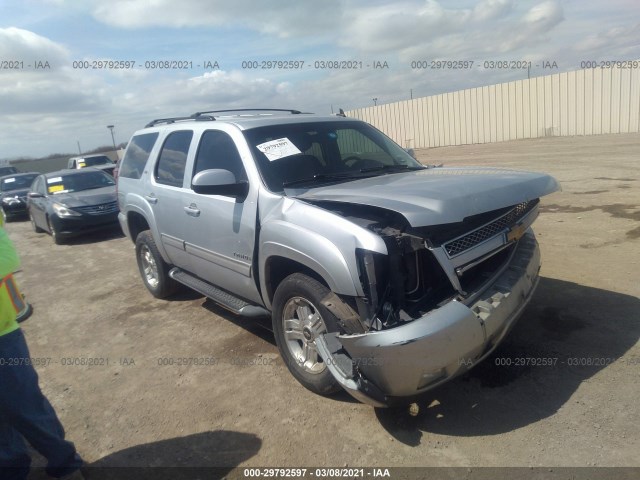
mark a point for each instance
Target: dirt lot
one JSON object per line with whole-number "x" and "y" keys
{"x": 246, "y": 409}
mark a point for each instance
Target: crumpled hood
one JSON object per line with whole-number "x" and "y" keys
{"x": 85, "y": 198}
{"x": 438, "y": 195}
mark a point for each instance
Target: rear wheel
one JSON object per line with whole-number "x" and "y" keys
{"x": 298, "y": 319}
{"x": 153, "y": 269}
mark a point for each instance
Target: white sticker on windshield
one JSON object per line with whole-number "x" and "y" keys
{"x": 54, "y": 179}
{"x": 280, "y": 148}
{"x": 9, "y": 180}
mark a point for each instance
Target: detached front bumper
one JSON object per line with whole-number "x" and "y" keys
{"x": 408, "y": 360}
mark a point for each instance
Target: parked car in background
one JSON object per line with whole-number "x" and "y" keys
{"x": 7, "y": 170}
{"x": 13, "y": 194}
{"x": 67, "y": 203}
{"x": 101, "y": 162}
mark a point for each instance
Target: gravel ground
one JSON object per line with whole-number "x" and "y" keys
{"x": 244, "y": 408}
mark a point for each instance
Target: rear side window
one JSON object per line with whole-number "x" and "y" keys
{"x": 137, "y": 155}
{"x": 173, "y": 158}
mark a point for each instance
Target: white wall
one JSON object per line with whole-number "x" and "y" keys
{"x": 583, "y": 102}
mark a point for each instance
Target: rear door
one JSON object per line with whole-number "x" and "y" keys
{"x": 167, "y": 191}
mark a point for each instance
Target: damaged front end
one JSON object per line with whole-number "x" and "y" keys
{"x": 440, "y": 300}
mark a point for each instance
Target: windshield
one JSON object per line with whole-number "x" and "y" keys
{"x": 20, "y": 182}
{"x": 93, "y": 161}
{"x": 77, "y": 182}
{"x": 314, "y": 154}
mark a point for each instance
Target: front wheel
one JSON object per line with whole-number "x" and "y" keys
{"x": 34, "y": 225}
{"x": 153, "y": 269}
{"x": 298, "y": 319}
{"x": 55, "y": 235}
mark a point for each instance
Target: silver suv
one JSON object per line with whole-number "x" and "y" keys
{"x": 382, "y": 276}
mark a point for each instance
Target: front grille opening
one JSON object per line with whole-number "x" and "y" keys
{"x": 474, "y": 278}
{"x": 98, "y": 209}
{"x": 489, "y": 230}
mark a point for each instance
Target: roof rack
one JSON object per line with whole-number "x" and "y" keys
{"x": 177, "y": 119}
{"x": 199, "y": 116}
{"x": 293, "y": 112}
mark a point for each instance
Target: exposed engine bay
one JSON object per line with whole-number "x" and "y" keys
{"x": 417, "y": 275}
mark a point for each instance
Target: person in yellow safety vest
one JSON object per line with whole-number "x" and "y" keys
{"x": 25, "y": 413}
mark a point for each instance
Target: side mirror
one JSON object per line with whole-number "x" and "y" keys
{"x": 35, "y": 195}
{"x": 219, "y": 182}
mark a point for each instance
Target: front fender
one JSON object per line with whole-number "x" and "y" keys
{"x": 309, "y": 249}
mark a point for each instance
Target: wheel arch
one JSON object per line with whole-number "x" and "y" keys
{"x": 277, "y": 268}
{"x": 137, "y": 223}
{"x": 281, "y": 261}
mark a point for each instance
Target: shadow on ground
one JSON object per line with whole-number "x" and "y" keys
{"x": 95, "y": 237}
{"x": 585, "y": 329}
{"x": 207, "y": 455}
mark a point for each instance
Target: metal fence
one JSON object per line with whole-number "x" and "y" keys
{"x": 582, "y": 102}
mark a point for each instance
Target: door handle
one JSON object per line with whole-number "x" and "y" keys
{"x": 192, "y": 210}
{"x": 151, "y": 199}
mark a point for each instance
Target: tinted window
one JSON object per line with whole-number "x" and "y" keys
{"x": 93, "y": 161}
{"x": 217, "y": 150}
{"x": 16, "y": 183}
{"x": 173, "y": 158}
{"x": 86, "y": 180}
{"x": 8, "y": 170}
{"x": 133, "y": 163}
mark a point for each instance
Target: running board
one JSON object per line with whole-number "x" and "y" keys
{"x": 224, "y": 299}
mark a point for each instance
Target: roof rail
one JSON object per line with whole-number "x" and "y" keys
{"x": 176, "y": 119}
{"x": 293, "y": 112}
{"x": 198, "y": 116}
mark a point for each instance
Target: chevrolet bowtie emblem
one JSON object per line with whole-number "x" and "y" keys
{"x": 516, "y": 232}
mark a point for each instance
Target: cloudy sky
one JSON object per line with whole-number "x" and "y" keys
{"x": 52, "y": 108}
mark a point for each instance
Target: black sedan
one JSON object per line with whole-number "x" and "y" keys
{"x": 13, "y": 194}
{"x": 72, "y": 202}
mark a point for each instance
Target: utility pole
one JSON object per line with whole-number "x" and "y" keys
{"x": 375, "y": 101}
{"x": 110, "y": 127}
{"x": 79, "y": 149}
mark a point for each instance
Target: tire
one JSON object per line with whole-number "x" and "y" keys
{"x": 300, "y": 295}
{"x": 57, "y": 239}
{"x": 153, "y": 269}
{"x": 35, "y": 227}
{"x": 25, "y": 313}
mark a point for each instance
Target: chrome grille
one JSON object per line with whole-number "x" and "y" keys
{"x": 101, "y": 209}
{"x": 479, "y": 235}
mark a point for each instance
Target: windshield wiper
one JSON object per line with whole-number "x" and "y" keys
{"x": 391, "y": 168}
{"x": 327, "y": 176}
{"x": 92, "y": 188}
{"x": 362, "y": 173}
